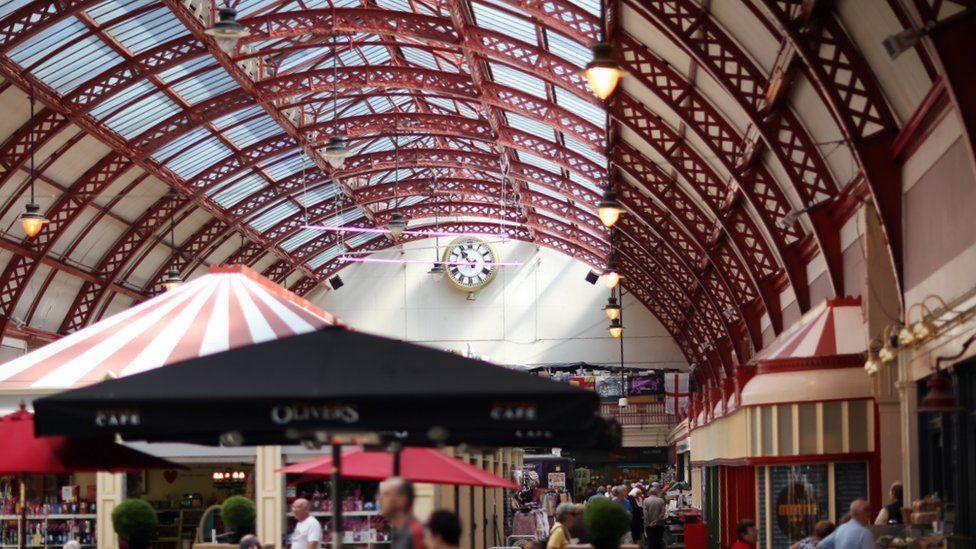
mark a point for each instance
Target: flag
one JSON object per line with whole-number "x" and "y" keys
{"x": 676, "y": 397}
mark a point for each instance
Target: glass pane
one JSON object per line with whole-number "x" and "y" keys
{"x": 784, "y": 430}
{"x": 767, "y": 430}
{"x": 808, "y": 428}
{"x": 798, "y": 495}
{"x": 833, "y": 439}
{"x": 857, "y": 425}
{"x": 850, "y": 483}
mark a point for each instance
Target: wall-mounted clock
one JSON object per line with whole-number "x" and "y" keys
{"x": 472, "y": 264}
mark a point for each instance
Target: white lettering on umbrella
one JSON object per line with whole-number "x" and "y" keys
{"x": 283, "y": 415}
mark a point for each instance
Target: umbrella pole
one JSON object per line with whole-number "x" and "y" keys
{"x": 22, "y": 542}
{"x": 336, "y": 504}
{"x": 396, "y": 461}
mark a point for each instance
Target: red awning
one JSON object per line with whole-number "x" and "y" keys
{"x": 835, "y": 327}
{"x": 416, "y": 464}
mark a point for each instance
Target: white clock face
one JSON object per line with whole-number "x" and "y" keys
{"x": 471, "y": 263}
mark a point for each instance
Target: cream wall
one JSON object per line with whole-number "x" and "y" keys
{"x": 541, "y": 312}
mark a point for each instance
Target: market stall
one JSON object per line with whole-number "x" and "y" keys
{"x": 788, "y": 462}
{"x": 230, "y": 307}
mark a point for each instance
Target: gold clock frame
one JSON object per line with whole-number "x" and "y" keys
{"x": 480, "y": 286}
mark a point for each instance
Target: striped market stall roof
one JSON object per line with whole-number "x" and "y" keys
{"x": 230, "y": 307}
{"x": 835, "y": 327}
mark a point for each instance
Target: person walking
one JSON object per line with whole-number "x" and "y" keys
{"x": 891, "y": 513}
{"x": 821, "y": 530}
{"x": 636, "y": 515}
{"x": 654, "y": 513}
{"x": 308, "y": 530}
{"x": 442, "y": 531}
{"x": 853, "y": 534}
{"x": 745, "y": 535}
{"x": 396, "y": 506}
{"x": 559, "y": 535}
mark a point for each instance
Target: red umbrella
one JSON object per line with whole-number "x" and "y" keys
{"x": 23, "y": 453}
{"x": 416, "y": 464}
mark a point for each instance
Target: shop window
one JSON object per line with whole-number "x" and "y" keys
{"x": 857, "y": 425}
{"x": 850, "y": 483}
{"x": 767, "y": 430}
{"x": 808, "y": 428}
{"x": 798, "y": 499}
{"x": 833, "y": 428}
{"x": 761, "y": 500}
{"x": 784, "y": 429}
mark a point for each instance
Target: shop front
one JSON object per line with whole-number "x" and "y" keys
{"x": 787, "y": 462}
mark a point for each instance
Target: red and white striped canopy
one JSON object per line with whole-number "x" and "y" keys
{"x": 230, "y": 307}
{"x": 835, "y": 327}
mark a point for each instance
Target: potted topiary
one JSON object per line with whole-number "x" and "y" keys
{"x": 606, "y": 523}
{"x": 135, "y": 521}
{"x": 238, "y": 514}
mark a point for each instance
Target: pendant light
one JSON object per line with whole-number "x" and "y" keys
{"x": 616, "y": 328}
{"x": 603, "y": 72}
{"x": 611, "y": 277}
{"x": 336, "y": 149}
{"x": 939, "y": 398}
{"x": 612, "y": 308}
{"x": 172, "y": 279}
{"x": 609, "y": 208}
{"x": 227, "y": 32}
{"x": 397, "y": 223}
{"x": 32, "y": 220}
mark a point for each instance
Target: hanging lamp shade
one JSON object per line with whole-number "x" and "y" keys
{"x": 397, "y": 225}
{"x": 227, "y": 31}
{"x": 612, "y": 309}
{"x": 336, "y": 151}
{"x": 610, "y": 275}
{"x": 616, "y": 328}
{"x": 609, "y": 209}
{"x": 172, "y": 279}
{"x": 939, "y": 398}
{"x": 603, "y": 72}
{"x": 32, "y": 220}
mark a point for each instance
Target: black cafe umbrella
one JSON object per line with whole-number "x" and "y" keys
{"x": 331, "y": 381}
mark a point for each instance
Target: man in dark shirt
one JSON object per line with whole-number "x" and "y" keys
{"x": 396, "y": 505}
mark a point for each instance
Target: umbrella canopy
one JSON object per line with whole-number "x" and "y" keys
{"x": 230, "y": 307}
{"x": 23, "y": 453}
{"x": 416, "y": 464}
{"x": 332, "y": 380}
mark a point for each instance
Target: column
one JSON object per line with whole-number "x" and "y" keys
{"x": 269, "y": 495}
{"x": 110, "y": 490}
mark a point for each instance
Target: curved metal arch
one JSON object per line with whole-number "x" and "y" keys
{"x": 695, "y": 32}
{"x": 848, "y": 87}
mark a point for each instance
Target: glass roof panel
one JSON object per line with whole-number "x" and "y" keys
{"x": 186, "y": 68}
{"x": 251, "y": 131}
{"x": 9, "y": 6}
{"x": 287, "y": 164}
{"x": 538, "y": 162}
{"x": 145, "y": 30}
{"x": 269, "y": 218}
{"x": 143, "y": 114}
{"x": 204, "y": 86}
{"x": 197, "y": 158}
{"x": 518, "y": 80}
{"x": 567, "y": 48}
{"x": 316, "y": 195}
{"x": 163, "y": 153}
{"x": 239, "y": 189}
{"x": 585, "y": 150}
{"x": 73, "y": 48}
{"x": 530, "y": 126}
{"x": 238, "y": 116}
{"x": 299, "y": 238}
{"x": 588, "y": 111}
{"x": 579, "y": 179}
{"x": 495, "y": 19}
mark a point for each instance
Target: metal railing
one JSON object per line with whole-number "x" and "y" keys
{"x": 644, "y": 413}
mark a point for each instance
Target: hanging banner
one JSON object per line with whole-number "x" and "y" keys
{"x": 584, "y": 382}
{"x": 646, "y": 384}
{"x": 608, "y": 386}
{"x": 676, "y": 391}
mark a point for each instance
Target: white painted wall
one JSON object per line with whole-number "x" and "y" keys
{"x": 538, "y": 313}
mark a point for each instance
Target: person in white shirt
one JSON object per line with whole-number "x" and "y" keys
{"x": 308, "y": 531}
